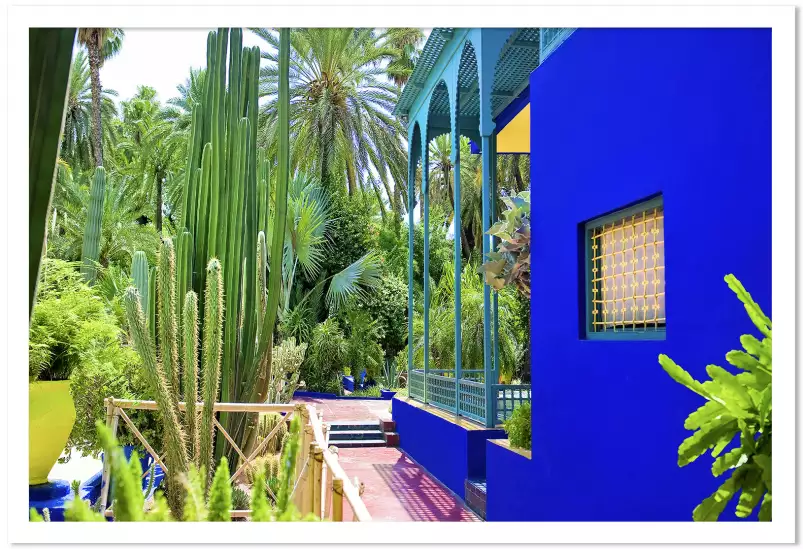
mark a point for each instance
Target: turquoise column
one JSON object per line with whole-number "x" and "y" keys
{"x": 425, "y": 221}
{"x": 494, "y": 241}
{"x": 411, "y": 162}
{"x": 486, "y": 298}
{"x": 458, "y": 260}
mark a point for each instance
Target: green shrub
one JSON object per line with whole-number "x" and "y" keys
{"x": 363, "y": 352}
{"x": 738, "y": 404}
{"x": 73, "y": 335}
{"x": 519, "y": 427}
{"x": 368, "y": 392}
{"x": 325, "y": 359}
{"x": 240, "y": 500}
{"x": 387, "y": 305}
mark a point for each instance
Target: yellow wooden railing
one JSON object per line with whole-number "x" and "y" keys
{"x": 321, "y": 483}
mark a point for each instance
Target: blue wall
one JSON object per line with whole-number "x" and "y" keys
{"x": 448, "y": 451}
{"x": 617, "y": 116}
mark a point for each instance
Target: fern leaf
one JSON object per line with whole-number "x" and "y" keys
{"x": 765, "y": 512}
{"x": 752, "y": 490}
{"x": 731, "y": 460}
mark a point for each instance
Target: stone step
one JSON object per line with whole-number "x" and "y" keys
{"x": 392, "y": 439}
{"x": 358, "y": 443}
{"x": 356, "y": 434}
{"x": 476, "y": 494}
{"x": 354, "y": 425}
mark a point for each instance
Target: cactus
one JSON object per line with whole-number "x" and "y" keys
{"x": 139, "y": 273}
{"x": 90, "y": 251}
{"x": 212, "y": 338}
{"x": 190, "y": 340}
{"x": 267, "y": 423}
{"x": 260, "y": 510}
{"x": 168, "y": 330}
{"x": 285, "y": 371}
{"x": 151, "y": 310}
{"x": 220, "y": 495}
{"x": 225, "y": 207}
{"x": 176, "y": 455}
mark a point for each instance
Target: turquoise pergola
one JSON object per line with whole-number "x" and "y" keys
{"x": 463, "y": 80}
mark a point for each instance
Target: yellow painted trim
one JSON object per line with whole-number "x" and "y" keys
{"x": 505, "y": 443}
{"x": 515, "y": 137}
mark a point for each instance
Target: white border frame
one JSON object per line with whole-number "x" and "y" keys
{"x": 782, "y": 21}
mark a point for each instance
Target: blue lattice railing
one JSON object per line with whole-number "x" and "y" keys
{"x": 467, "y": 396}
{"x": 508, "y": 398}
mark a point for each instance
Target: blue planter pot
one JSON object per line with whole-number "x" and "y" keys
{"x": 387, "y": 394}
{"x": 348, "y": 383}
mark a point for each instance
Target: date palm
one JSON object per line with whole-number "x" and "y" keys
{"x": 101, "y": 44}
{"x": 341, "y": 104}
{"x": 76, "y": 145}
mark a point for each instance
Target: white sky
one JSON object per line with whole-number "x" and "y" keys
{"x": 160, "y": 58}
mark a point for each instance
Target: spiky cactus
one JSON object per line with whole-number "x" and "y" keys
{"x": 168, "y": 327}
{"x": 190, "y": 348}
{"x": 90, "y": 251}
{"x": 267, "y": 423}
{"x": 151, "y": 309}
{"x": 220, "y": 494}
{"x": 213, "y": 325}
{"x": 176, "y": 455}
{"x": 139, "y": 273}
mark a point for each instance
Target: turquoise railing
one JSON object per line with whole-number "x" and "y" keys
{"x": 508, "y": 398}
{"x": 466, "y": 397}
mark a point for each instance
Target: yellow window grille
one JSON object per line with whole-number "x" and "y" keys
{"x": 627, "y": 279}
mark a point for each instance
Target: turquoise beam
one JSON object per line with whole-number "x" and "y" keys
{"x": 411, "y": 162}
{"x": 458, "y": 261}
{"x": 425, "y": 221}
{"x": 486, "y": 297}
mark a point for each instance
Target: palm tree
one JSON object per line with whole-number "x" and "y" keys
{"x": 407, "y": 42}
{"x": 101, "y": 44}
{"x": 76, "y": 144}
{"x": 341, "y": 106}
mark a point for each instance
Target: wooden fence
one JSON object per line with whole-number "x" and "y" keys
{"x": 321, "y": 483}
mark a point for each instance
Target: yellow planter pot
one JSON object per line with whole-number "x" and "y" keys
{"x": 51, "y": 417}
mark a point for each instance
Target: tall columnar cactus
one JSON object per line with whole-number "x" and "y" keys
{"x": 151, "y": 309}
{"x": 168, "y": 327}
{"x": 213, "y": 324}
{"x": 226, "y": 198}
{"x": 190, "y": 348}
{"x": 139, "y": 273}
{"x": 176, "y": 454}
{"x": 90, "y": 251}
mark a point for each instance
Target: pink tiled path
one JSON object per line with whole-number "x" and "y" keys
{"x": 396, "y": 487}
{"x": 349, "y": 410}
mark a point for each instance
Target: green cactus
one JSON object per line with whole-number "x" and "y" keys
{"x": 220, "y": 494}
{"x": 212, "y": 339}
{"x": 151, "y": 310}
{"x": 90, "y": 251}
{"x": 190, "y": 339}
{"x": 168, "y": 327}
{"x": 176, "y": 455}
{"x": 267, "y": 423}
{"x": 184, "y": 250}
{"x": 260, "y": 510}
{"x": 139, "y": 273}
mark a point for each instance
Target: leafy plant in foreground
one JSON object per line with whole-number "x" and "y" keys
{"x": 519, "y": 427}
{"x": 510, "y": 263}
{"x": 735, "y": 404}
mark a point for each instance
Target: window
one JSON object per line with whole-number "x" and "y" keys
{"x": 625, "y": 274}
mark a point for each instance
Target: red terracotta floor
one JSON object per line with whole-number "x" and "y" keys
{"x": 396, "y": 487}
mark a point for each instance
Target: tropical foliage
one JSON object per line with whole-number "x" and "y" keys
{"x": 510, "y": 263}
{"x": 735, "y": 405}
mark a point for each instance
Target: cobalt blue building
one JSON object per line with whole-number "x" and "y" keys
{"x": 650, "y": 181}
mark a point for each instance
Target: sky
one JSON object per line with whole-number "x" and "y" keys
{"x": 160, "y": 58}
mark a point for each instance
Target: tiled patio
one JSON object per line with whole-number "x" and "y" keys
{"x": 396, "y": 487}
